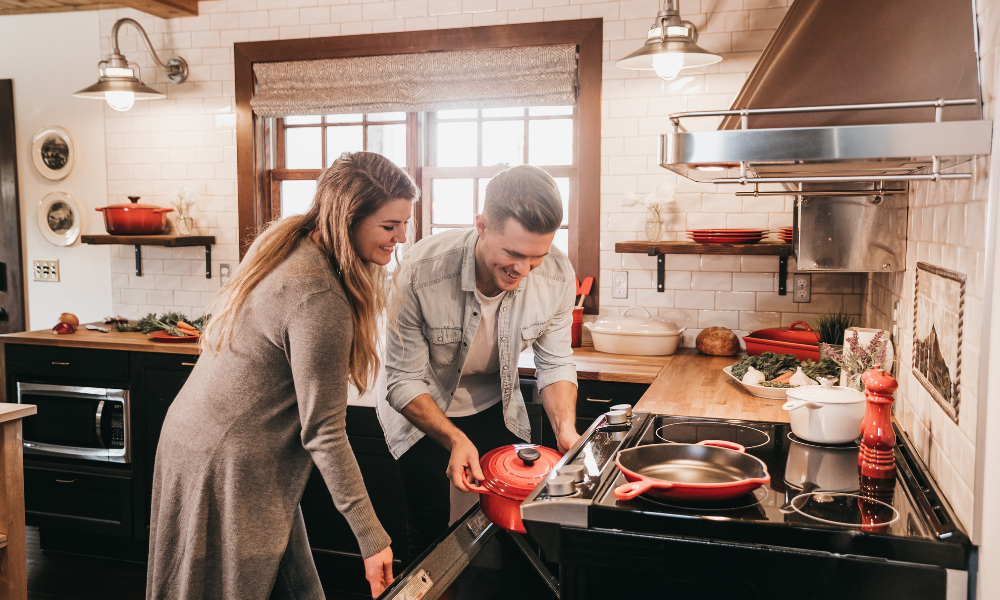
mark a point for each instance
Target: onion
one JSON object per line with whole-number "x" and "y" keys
{"x": 63, "y": 329}
{"x": 69, "y": 318}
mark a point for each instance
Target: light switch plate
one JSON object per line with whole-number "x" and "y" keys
{"x": 45, "y": 269}
{"x": 801, "y": 287}
{"x": 224, "y": 272}
{"x": 619, "y": 284}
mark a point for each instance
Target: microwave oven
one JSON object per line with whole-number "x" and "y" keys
{"x": 76, "y": 422}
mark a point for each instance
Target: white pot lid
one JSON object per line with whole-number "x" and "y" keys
{"x": 821, "y": 394}
{"x": 625, "y": 325}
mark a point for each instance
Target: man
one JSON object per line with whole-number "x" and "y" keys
{"x": 466, "y": 303}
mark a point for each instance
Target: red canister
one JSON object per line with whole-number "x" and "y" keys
{"x": 577, "y": 329}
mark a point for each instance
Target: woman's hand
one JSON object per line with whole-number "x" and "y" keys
{"x": 378, "y": 571}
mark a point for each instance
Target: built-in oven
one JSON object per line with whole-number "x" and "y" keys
{"x": 76, "y": 422}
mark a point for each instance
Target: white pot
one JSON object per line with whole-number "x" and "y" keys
{"x": 643, "y": 336}
{"x": 828, "y": 469}
{"x": 824, "y": 414}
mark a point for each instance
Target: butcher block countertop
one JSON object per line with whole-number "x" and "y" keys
{"x": 600, "y": 366}
{"x": 113, "y": 340}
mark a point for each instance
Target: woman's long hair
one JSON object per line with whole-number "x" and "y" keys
{"x": 353, "y": 188}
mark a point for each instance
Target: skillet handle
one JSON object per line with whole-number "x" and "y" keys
{"x": 629, "y": 491}
{"x": 723, "y": 444}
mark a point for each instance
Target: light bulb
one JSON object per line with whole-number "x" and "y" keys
{"x": 120, "y": 101}
{"x": 668, "y": 64}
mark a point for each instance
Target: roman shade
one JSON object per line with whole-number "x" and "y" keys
{"x": 430, "y": 81}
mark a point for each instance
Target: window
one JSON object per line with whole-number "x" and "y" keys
{"x": 306, "y": 145}
{"x": 467, "y": 147}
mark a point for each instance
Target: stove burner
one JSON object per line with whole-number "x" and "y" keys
{"x": 746, "y": 501}
{"x": 692, "y": 432}
{"x": 836, "y": 508}
{"x": 798, "y": 440}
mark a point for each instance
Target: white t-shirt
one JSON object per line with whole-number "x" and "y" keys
{"x": 479, "y": 388}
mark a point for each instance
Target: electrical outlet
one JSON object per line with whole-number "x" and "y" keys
{"x": 224, "y": 272}
{"x": 45, "y": 270}
{"x": 619, "y": 284}
{"x": 801, "y": 287}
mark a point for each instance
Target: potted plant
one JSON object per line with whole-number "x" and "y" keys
{"x": 854, "y": 359}
{"x": 831, "y": 331}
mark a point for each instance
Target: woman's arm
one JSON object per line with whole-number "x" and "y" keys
{"x": 318, "y": 344}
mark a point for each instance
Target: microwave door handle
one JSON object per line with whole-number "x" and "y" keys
{"x": 97, "y": 423}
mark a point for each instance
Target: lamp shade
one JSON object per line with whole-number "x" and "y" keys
{"x": 643, "y": 58}
{"x": 101, "y": 88}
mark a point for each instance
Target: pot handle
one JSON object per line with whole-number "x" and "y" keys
{"x": 163, "y": 210}
{"x": 629, "y": 491}
{"x": 802, "y": 323}
{"x": 99, "y": 209}
{"x": 625, "y": 314}
{"x": 793, "y": 404}
{"x": 588, "y": 324}
{"x": 723, "y": 444}
{"x": 476, "y": 488}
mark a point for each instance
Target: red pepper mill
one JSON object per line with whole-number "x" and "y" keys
{"x": 876, "y": 457}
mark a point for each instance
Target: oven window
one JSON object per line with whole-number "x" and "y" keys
{"x": 62, "y": 421}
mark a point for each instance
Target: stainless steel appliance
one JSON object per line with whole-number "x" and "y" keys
{"x": 76, "y": 422}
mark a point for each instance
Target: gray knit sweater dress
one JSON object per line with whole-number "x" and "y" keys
{"x": 241, "y": 438}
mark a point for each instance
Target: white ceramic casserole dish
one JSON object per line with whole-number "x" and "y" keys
{"x": 643, "y": 336}
{"x": 825, "y": 414}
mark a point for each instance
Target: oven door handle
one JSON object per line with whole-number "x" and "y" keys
{"x": 97, "y": 423}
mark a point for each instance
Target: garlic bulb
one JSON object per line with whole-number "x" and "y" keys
{"x": 800, "y": 379}
{"x": 754, "y": 377}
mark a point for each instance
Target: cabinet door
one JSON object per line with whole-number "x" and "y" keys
{"x": 158, "y": 379}
{"x": 81, "y": 499}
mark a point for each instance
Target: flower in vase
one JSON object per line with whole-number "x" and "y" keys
{"x": 856, "y": 359}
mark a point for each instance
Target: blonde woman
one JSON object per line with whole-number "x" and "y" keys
{"x": 291, "y": 330}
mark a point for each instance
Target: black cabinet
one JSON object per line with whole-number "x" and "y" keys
{"x": 78, "y": 498}
{"x": 59, "y": 364}
{"x": 593, "y": 399}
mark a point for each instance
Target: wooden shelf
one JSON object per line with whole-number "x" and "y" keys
{"x": 650, "y": 248}
{"x": 170, "y": 241}
{"x": 659, "y": 249}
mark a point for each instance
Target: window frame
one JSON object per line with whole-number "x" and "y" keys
{"x": 253, "y": 132}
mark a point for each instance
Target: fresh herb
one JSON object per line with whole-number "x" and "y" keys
{"x": 768, "y": 363}
{"x": 165, "y": 322}
{"x": 823, "y": 368}
{"x": 775, "y": 384}
{"x": 832, "y": 327}
{"x": 856, "y": 359}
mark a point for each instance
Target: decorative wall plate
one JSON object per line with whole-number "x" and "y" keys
{"x": 53, "y": 152}
{"x": 59, "y": 218}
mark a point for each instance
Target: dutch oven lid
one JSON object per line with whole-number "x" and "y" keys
{"x": 824, "y": 394}
{"x": 513, "y": 471}
{"x": 625, "y": 325}
{"x": 792, "y": 334}
{"x": 134, "y": 204}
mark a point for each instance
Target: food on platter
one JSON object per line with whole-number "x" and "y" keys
{"x": 783, "y": 370}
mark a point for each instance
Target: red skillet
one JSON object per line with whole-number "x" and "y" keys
{"x": 712, "y": 470}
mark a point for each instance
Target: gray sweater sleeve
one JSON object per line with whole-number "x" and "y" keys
{"x": 319, "y": 334}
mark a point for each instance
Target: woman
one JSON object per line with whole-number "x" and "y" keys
{"x": 291, "y": 330}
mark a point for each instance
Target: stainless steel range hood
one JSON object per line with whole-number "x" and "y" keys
{"x": 848, "y": 91}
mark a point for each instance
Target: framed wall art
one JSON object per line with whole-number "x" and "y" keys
{"x": 59, "y": 219}
{"x": 938, "y": 315}
{"x": 53, "y": 152}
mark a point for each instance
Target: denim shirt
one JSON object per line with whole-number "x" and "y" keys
{"x": 433, "y": 319}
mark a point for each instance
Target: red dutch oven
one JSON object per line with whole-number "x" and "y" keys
{"x": 511, "y": 472}
{"x": 134, "y": 218}
{"x": 711, "y": 470}
{"x": 802, "y": 343}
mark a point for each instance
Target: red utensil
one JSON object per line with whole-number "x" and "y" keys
{"x": 511, "y": 472}
{"x": 876, "y": 457}
{"x": 163, "y": 336}
{"x": 134, "y": 218}
{"x": 584, "y": 290}
{"x": 711, "y": 470}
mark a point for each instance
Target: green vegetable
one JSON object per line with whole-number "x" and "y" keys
{"x": 775, "y": 384}
{"x": 165, "y": 322}
{"x": 823, "y": 368}
{"x": 768, "y": 363}
{"x": 832, "y": 327}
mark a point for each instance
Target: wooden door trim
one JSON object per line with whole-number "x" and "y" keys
{"x": 12, "y": 297}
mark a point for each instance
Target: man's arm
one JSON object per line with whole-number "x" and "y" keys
{"x": 559, "y": 400}
{"x": 423, "y": 412}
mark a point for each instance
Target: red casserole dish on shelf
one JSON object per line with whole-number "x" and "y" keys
{"x": 802, "y": 343}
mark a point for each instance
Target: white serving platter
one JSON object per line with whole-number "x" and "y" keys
{"x": 759, "y": 390}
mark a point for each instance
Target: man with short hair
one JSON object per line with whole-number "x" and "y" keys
{"x": 465, "y": 304}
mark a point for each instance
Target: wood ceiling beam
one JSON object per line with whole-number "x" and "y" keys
{"x": 167, "y": 9}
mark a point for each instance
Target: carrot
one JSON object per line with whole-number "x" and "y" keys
{"x": 783, "y": 378}
{"x": 183, "y": 325}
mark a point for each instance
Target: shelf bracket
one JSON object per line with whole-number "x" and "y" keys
{"x": 782, "y": 273}
{"x": 660, "y": 260}
{"x": 208, "y": 261}
{"x": 138, "y": 260}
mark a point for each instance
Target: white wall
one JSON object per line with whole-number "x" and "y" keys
{"x": 50, "y": 56}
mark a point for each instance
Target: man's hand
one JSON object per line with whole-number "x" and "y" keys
{"x": 464, "y": 461}
{"x": 559, "y": 400}
{"x": 566, "y": 437}
{"x": 378, "y": 571}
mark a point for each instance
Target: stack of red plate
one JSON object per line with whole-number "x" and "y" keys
{"x": 785, "y": 235}
{"x": 726, "y": 236}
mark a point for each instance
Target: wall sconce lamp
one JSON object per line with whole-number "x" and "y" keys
{"x": 119, "y": 81}
{"x": 670, "y": 46}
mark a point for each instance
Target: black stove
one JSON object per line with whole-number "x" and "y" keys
{"x": 818, "y": 530}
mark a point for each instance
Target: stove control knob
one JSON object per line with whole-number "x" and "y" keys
{"x": 574, "y": 471}
{"x": 561, "y": 485}
{"x": 623, "y": 407}
{"x": 617, "y": 417}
